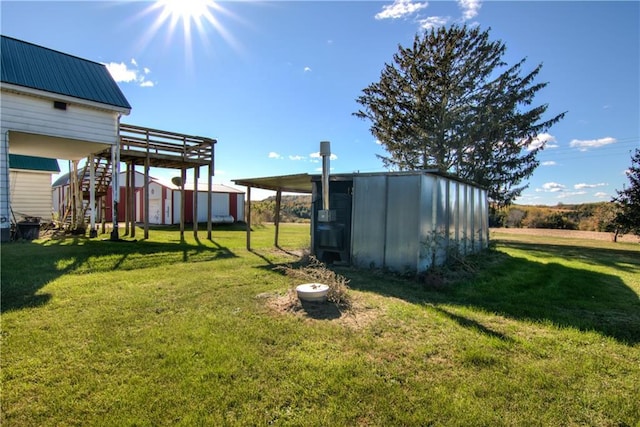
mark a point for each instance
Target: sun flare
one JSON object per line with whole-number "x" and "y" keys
{"x": 186, "y": 10}
{"x": 194, "y": 17}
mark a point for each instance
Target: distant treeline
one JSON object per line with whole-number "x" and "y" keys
{"x": 586, "y": 216}
{"x": 292, "y": 209}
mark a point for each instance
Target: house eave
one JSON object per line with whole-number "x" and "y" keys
{"x": 38, "y": 93}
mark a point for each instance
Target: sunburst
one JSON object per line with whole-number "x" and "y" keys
{"x": 194, "y": 16}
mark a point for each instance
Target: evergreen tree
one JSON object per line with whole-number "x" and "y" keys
{"x": 628, "y": 199}
{"x": 451, "y": 103}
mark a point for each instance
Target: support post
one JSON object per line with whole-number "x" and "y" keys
{"x": 209, "y": 199}
{"x": 92, "y": 197}
{"x": 115, "y": 182}
{"x": 132, "y": 199}
{"x": 196, "y": 173}
{"x": 103, "y": 214}
{"x": 277, "y": 217}
{"x": 183, "y": 176}
{"x": 146, "y": 196}
{"x": 248, "y": 219}
{"x": 73, "y": 187}
{"x": 127, "y": 191}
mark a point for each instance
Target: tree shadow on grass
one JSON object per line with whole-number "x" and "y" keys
{"x": 526, "y": 290}
{"x": 28, "y": 266}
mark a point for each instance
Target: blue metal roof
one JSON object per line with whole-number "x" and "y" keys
{"x": 33, "y": 163}
{"x": 29, "y": 65}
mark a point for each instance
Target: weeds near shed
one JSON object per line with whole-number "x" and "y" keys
{"x": 314, "y": 271}
{"x": 459, "y": 268}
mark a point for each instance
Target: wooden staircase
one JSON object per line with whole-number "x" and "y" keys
{"x": 102, "y": 180}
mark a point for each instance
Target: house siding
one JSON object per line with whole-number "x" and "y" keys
{"x": 31, "y": 194}
{"x": 5, "y": 221}
{"x": 35, "y": 115}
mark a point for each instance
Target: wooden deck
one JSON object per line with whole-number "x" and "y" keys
{"x": 142, "y": 146}
{"x": 163, "y": 149}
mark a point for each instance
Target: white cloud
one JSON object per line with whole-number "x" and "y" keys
{"x": 544, "y": 139}
{"x": 433, "y": 22}
{"x": 307, "y": 69}
{"x": 601, "y": 195}
{"x": 121, "y": 73}
{"x": 549, "y": 163}
{"x": 583, "y": 185}
{"x": 552, "y": 187}
{"x": 585, "y": 144}
{"x": 400, "y": 9}
{"x": 274, "y": 155}
{"x": 296, "y": 157}
{"x": 566, "y": 194}
{"x": 317, "y": 155}
{"x": 469, "y": 8}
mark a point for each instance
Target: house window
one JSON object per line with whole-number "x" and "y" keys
{"x": 59, "y": 105}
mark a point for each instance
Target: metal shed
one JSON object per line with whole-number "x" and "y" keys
{"x": 404, "y": 221}
{"x": 401, "y": 221}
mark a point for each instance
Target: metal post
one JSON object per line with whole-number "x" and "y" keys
{"x": 325, "y": 152}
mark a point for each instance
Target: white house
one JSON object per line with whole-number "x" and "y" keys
{"x": 53, "y": 105}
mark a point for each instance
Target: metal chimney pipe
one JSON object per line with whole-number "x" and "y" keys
{"x": 325, "y": 153}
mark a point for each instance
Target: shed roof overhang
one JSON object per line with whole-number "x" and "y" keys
{"x": 298, "y": 183}
{"x": 303, "y": 183}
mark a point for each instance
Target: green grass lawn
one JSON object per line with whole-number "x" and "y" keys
{"x": 171, "y": 332}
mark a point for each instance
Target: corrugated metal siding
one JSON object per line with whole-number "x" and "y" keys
{"x": 31, "y": 194}
{"x": 368, "y": 237}
{"x": 412, "y": 222}
{"x": 37, "y": 67}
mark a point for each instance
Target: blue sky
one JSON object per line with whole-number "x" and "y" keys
{"x": 270, "y": 80}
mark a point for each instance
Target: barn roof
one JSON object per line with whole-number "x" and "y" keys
{"x": 215, "y": 188}
{"x": 36, "y": 67}
{"x": 33, "y": 163}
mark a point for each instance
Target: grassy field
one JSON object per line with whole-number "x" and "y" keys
{"x": 537, "y": 331}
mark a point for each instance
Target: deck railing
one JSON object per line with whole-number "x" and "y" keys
{"x": 159, "y": 143}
